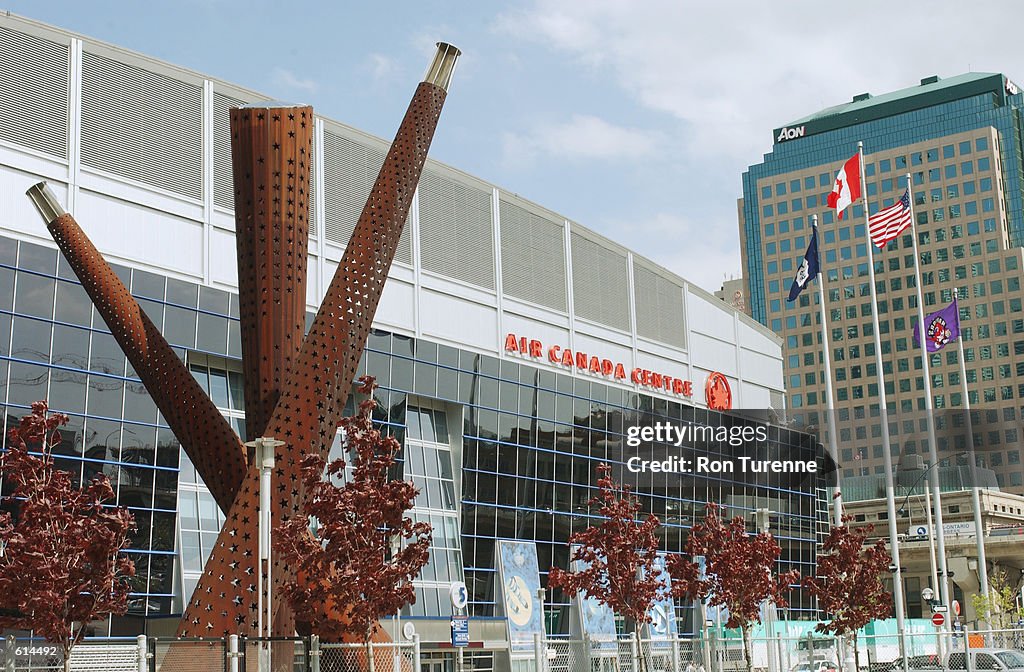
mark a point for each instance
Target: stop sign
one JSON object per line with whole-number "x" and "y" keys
{"x": 938, "y": 619}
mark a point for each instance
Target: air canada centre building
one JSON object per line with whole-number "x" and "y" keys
{"x": 515, "y": 350}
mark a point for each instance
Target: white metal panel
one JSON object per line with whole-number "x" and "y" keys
{"x": 33, "y": 92}
{"x": 546, "y": 332}
{"x": 604, "y": 348}
{"x": 142, "y": 125}
{"x": 456, "y": 319}
{"x": 712, "y": 353}
{"x": 666, "y": 367}
{"x": 659, "y": 305}
{"x": 396, "y": 306}
{"x": 223, "y": 258}
{"x": 749, "y": 337}
{"x": 149, "y": 237}
{"x": 708, "y": 318}
{"x": 512, "y": 306}
{"x": 761, "y": 367}
{"x": 16, "y": 210}
{"x": 533, "y": 258}
{"x": 754, "y": 396}
{"x": 600, "y": 282}
{"x": 456, "y": 235}
{"x": 223, "y": 185}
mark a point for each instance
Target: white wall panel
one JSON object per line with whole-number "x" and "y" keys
{"x": 752, "y": 338}
{"x": 713, "y": 354}
{"x": 396, "y": 306}
{"x": 457, "y": 320}
{"x": 223, "y": 258}
{"x": 708, "y": 318}
{"x": 151, "y": 237}
{"x": 760, "y": 368}
{"x": 604, "y": 348}
{"x": 663, "y": 366}
{"x": 754, "y": 396}
{"x": 545, "y": 332}
{"x": 16, "y": 210}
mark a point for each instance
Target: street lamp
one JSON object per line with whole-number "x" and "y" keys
{"x": 265, "y": 453}
{"x": 396, "y": 546}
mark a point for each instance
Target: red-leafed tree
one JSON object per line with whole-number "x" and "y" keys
{"x": 618, "y": 556}
{"x": 60, "y": 567}
{"x": 739, "y": 571}
{"x": 848, "y": 581}
{"x": 348, "y": 577}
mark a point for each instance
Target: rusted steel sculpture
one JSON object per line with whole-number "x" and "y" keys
{"x": 310, "y": 405}
{"x": 293, "y": 393}
{"x": 208, "y": 439}
{"x": 270, "y": 154}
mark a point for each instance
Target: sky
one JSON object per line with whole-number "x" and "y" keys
{"x": 634, "y": 118}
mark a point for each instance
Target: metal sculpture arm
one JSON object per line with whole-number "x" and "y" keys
{"x": 309, "y": 409}
{"x": 208, "y": 439}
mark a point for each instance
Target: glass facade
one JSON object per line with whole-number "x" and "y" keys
{"x": 498, "y": 449}
{"x": 959, "y": 145}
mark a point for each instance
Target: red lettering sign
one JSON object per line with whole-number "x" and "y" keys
{"x": 597, "y": 366}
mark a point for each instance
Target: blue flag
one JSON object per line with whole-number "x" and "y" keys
{"x": 808, "y": 267}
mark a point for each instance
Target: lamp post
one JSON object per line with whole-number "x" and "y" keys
{"x": 396, "y": 546}
{"x": 265, "y": 447}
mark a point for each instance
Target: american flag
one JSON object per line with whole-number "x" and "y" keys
{"x": 889, "y": 223}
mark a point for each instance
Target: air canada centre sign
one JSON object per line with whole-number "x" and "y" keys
{"x": 594, "y": 365}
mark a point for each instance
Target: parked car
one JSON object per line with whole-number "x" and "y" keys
{"x": 929, "y": 661}
{"x": 1002, "y": 660}
{"x": 816, "y": 666}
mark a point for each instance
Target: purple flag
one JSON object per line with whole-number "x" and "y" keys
{"x": 941, "y": 328}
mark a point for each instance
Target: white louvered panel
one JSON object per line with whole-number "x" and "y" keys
{"x": 600, "y": 289}
{"x": 223, "y": 186}
{"x": 532, "y": 257}
{"x": 456, "y": 238}
{"x": 350, "y": 169}
{"x": 659, "y": 306}
{"x": 142, "y": 125}
{"x": 33, "y": 92}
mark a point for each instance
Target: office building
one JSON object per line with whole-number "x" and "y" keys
{"x": 959, "y": 139}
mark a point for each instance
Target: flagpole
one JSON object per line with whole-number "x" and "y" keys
{"x": 979, "y": 532}
{"x": 929, "y": 406}
{"x": 837, "y": 501}
{"x": 883, "y": 413}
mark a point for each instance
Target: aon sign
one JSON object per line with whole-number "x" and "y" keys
{"x": 790, "y": 133}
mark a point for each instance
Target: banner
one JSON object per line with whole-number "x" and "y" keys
{"x": 519, "y": 576}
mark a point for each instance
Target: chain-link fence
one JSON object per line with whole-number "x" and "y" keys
{"x": 188, "y": 655}
{"x": 34, "y": 655}
{"x": 919, "y": 649}
{"x": 372, "y": 657}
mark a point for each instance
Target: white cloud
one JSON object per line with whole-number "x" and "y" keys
{"x": 381, "y": 67}
{"x": 733, "y": 71}
{"x": 289, "y": 80}
{"x": 582, "y": 137}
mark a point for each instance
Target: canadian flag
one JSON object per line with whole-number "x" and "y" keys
{"x": 847, "y": 187}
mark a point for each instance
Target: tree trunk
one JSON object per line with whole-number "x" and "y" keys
{"x": 748, "y": 659}
{"x": 856, "y": 652}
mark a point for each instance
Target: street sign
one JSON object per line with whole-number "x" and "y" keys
{"x": 956, "y": 607}
{"x": 938, "y": 619}
{"x": 458, "y": 594}
{"x": 939, "y": 609}
{"x": 460, "y": 630}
